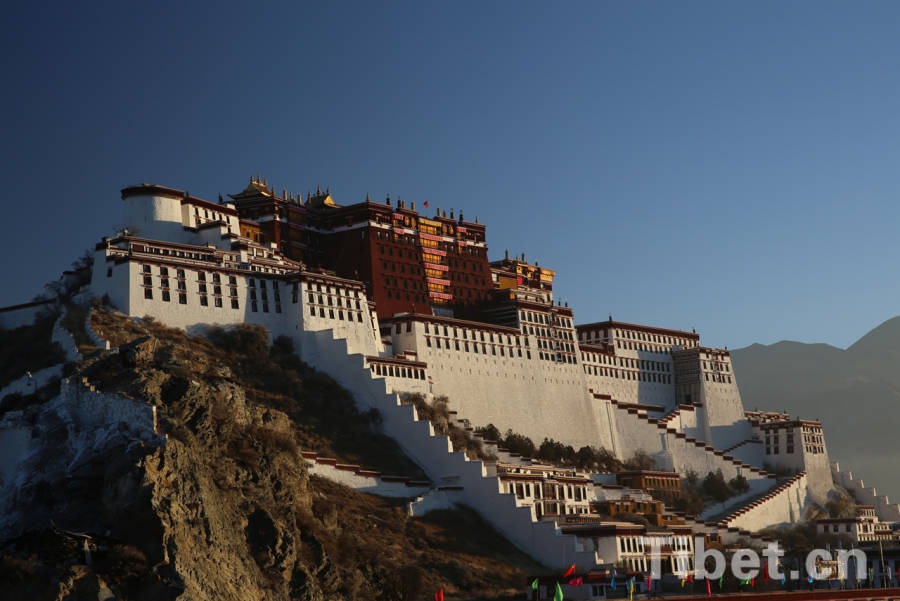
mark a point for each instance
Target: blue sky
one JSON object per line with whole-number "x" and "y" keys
{"x": 730, "y": 167}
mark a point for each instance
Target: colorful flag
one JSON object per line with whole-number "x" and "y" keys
{"x": 631, "y": 588}
{"x": 534, "y": 585}
{"x": 649, "y": 582}
{"x": 576, "y": 581}
{"x": 691, "y": 577}
{"x": 682, "y": 582}
{"x": 439, "y": 596}
{"x": 558, "y": 596}
{"x": 782, "y": 579}
{"x": 708, "y": 589}
{"x": 569, "y": 572}
{"x": 720, "y": 580}
{"x": 766, "y": 571}
{"x": 613, "y": 583}
{"x": 753, "y": 581}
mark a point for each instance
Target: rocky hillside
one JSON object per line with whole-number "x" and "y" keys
{"x": 215, "y": 503}
{"x": 854, "y": 391}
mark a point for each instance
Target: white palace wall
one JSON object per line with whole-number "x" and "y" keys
{"x": 534, "y": 397}
{"x": 723, "y": 419}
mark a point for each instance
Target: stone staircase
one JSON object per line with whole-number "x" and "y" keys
{"x": 742, "y": 443}
{"x": 362, "y": 479}
{"x": 674, "y": 439}
{"x": 466, "y": 481}
{"x": 783, "y": 504}
{"x": 866, "y": 495}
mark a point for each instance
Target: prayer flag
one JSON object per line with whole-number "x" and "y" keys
{"x": 439, "y": 596}
{"x": 569, "y": 572}
{"x": 558, "y": 596}
{"x": 534, "y": 585}
{"x": 708, "y": 590}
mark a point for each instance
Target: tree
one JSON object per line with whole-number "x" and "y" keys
{"x": 739, "y": 484}
{"x": 641, "y": 460}
{"x": 840, "y": 506}
{"x": 490, "y": 432}
{"x": 404, "y": 584}
{"x": 518, "y": 443}
{"x": 715, "y": 487}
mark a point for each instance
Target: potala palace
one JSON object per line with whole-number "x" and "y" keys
{"x": 389, "y": 300}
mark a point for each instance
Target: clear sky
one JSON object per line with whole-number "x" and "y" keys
{"x": 726, "y": 166}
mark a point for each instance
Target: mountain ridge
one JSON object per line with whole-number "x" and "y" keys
{"x": 845, "y": 388}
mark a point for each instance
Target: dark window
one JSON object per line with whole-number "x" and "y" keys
{"x": 165, "y": 295}
{"x": 234, "y": 304}
{"x": 204, "y": 300}
{"x": 148, "y": 292}
{"x": 182, "y": 298}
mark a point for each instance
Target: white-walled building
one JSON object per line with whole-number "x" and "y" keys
{"x": 517, "y": 361}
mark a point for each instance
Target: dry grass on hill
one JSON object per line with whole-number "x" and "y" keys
{"x": 324, "y": 414}
{"x": 453, "y": 549}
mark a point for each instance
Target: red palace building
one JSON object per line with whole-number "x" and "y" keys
{"x": 409, "y": 262}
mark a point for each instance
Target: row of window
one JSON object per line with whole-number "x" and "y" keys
{"x": 547, "y": 490}
{"x": 466, "y": 334}
{"x": 716, "y": 365}
{"x": 638, "y": 376}
{"x": 544, "y": 318}
{"x": 166, "y": 296}
{"x": 657, "y": 338}
{"x": 333, "y": 300}
{"x": 557, "y": 357}
{"x": 721, "y": 379}
{"x": 547, "y": 333}
{"x": 397, "y": 371}
{"x": 504, "y": 351}
{"x": 642, "y": 364}
{"x": 330, "y": 314}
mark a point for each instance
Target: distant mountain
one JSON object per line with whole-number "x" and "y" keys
{"x": 855, "y": 392}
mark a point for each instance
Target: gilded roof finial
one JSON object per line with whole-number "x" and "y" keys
{"x": 367, "y": 197}
{"x": 451, "y": 214}
{"x": 507, "y": 254}
{"x": 387, "y": 201}
{"x": 318, "y": 191}
{"x": 327, "y": 191}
